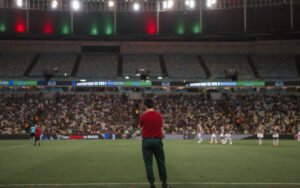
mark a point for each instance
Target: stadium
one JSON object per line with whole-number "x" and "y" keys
{"x": 76, "y": 78}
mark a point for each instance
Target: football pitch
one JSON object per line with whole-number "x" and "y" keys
{"x": 119, "y": 164}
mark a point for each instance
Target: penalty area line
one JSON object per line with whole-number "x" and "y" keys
{"x": 138, "y": 183}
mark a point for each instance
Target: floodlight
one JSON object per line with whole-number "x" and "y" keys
{"x": 210, "y": 3}
{"x": 75, "y": 5}
{"x": 190, "y": 3}
{"x": 111, "y": 3}
{"x": 54, "y": 4}
{"x": 19, "y": 3}
{"x": 136, "y": 6}
{"x": 168, "y": 4}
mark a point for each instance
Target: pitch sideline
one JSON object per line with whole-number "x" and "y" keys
{"x": 136, "y": 183}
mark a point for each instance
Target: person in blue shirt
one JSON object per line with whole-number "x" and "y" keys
{"x": 32, "y": 133}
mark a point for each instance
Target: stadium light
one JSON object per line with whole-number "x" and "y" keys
{"x": 127, "y": 77}
{"x": 164, "y": 4}
{"x": 54, "y": 4}
{"x": 190, "y": 3}
{"x": 19, "y": 3}
{"x": 168, "y": 4}
{"x": 75, "y": 5}
{"x": 160, "y": 78}
{"x": 136, "y": 6}
{"x": 111, "y": 4}
{"x": 210, "y": 3}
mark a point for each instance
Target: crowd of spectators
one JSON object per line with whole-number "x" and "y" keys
{"x": 243, "y": 112}
{"x": 113, "y": 113}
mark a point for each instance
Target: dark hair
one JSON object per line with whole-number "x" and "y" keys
{"x": 148, "y": 103}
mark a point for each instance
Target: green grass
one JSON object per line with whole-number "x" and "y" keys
{"x": 120, "y": 161}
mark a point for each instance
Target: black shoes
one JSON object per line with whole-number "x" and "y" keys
{"x": 152, "y": 186}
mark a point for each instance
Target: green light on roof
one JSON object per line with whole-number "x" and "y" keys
{"x": 94, "y": 30}
{"x": 196, "y": 29}
{"x": 108, "y": 25}
{"x": 65, "y": 29}
{"x": 180, "y": 29}
{"x": 2, "y": 27}
{"x": 108, "y": 30}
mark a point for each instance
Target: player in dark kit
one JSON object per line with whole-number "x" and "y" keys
{"x": 37, "y": 135}
{"x": 152, "y": 124}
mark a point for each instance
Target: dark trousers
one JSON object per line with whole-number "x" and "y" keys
{"x": 154, "y": 147}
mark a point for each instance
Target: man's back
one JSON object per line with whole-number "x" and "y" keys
{"x": 151, "y": 123}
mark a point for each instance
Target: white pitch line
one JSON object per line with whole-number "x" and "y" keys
{"x": 137, "y": 183}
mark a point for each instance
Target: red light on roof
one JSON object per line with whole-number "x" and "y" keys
{"x": 20, "y": 28}
{"x": 151, "y": 27}
{"x": 48, "y": 28}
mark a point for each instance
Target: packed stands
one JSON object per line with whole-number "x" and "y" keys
{"x": 101, "y": 113}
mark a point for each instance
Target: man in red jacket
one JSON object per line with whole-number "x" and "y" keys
{"x": 152, "y": 124}
{"x": 38, "y": 132}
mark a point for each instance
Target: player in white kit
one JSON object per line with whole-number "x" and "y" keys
{"x": 228, "y": 134}
{"x": 298, "y": 135}
{"x": 213, "y": 138}
{"x": 260, "y": 134}
{"x": 222, "y": 134}
{"x": 276, "y": 131}
{"x": 199, "y": 133}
